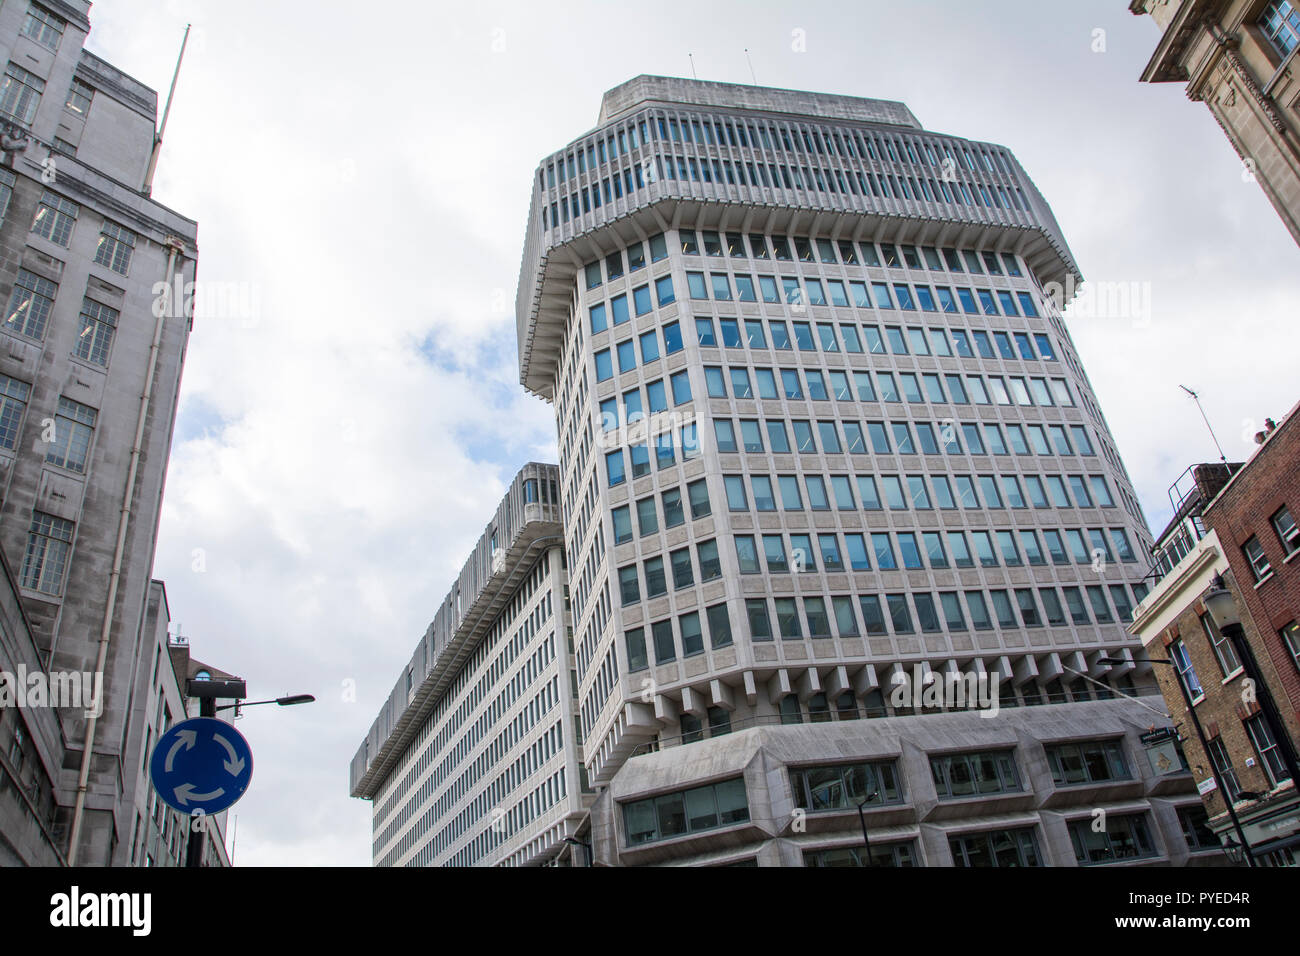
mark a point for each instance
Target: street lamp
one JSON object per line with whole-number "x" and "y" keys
{"x": 1234, "y": 850}
{"x": 239, "y": 705}
{"x": 208, "y": 691}
{"x": 1205, "y": 745}
{"x": 1222, "y": 608}
{"x": 862, "y": 818}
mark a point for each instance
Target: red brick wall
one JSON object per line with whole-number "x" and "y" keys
{"x": 1270, "y": 480}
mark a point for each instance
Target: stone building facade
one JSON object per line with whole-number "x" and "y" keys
{"x": 90, "y": 366}
{"x": 1238, "y": 58}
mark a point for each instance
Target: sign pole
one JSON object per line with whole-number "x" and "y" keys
{"x": 194, "y": 848}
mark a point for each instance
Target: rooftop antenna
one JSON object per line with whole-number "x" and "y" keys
{"x": 752, "y": 76}
{"x": 1197, "y": 399}
{"x": 691, "y": 57}
{"x": 158, "y": 136}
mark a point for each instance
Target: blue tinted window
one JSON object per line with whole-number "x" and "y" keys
{"x": 619, "y": 307}
{"x": 681, "y": 384}
{"x": 614, "y": 468}
{"x": 664, "y": 291}
{"x": 626, "y": 356}
{"x": 704, "y": 332}
{"x": 598, "y": 320}
{"x": 672, "y": 338}
{"x": 649, "y": 346}
{"x": 604, "y": 365}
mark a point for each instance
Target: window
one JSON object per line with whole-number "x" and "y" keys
{"x": 1196, "y": 828}
{"x": 1124, "y": 838}
{"x": 13, "y": 402}
{"x": 614, "y": 468}
{"x": 81, "y": 93}
{"x": 996, "y": 848}
{"x": 622, "y": 525}
{"x": 1270, "y": 755}
{"x": 692, "y": 638}
{"x": 1223, "y": 763}
{"x": 845, "y": 786}
{"x": 760, "y": 625}
{"x": 719, "y": 636}
{"x": 710, "y": 566}
{"x": 48, "y": 543}
{"x": 1280, "y": 22}
{"x": 43, "y": 26}
{"x": 689, "y": 811}
{"x": 629, "y": 585}
{"x": 1259, "y": 563}
{"x": 636, "y": 652}
{"x": 1224, "y": 652}
{"x": 1091, "y": 761}
{"x": 972, "y": 774}
{"x": 1286, "y": 529}
{"x": 1183, "y": 665}
{"x": 626, "y": 355}
{"x": 683, "y": 570}
{"x": 55, "y": 217}
{"x": 30, "y": 304}
{"x": 882, "y": 854}
{"x": 20, "y": 94}
{"x": 681, "y": 384}
{"x": 73, "y": 426}
{"x": 664, "y": 292}
{"x": 1291, "y": 638}
{"x": 787, "y": 619}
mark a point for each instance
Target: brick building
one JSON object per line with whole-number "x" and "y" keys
{"x": 1232, "y": 524}
{"x": 1255, "y": 517}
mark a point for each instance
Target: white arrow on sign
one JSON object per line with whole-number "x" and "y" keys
{"x": 186, "y": 737}
{"x": 185, "y": 794}
{"x": 235, "y": 765}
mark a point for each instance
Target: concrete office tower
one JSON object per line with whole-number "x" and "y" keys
{"x": 474, "y": 758}
{"x": 822, "y": 438}
{"x": 1237, "y": 57}
{"x": 89, "y": 374}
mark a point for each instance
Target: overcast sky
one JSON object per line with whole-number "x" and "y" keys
{"x": 363, "y": 171}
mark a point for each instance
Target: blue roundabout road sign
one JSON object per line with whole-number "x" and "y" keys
{"x": 201, "y": 764}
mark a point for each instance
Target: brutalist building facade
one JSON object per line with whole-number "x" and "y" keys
{"x": 842, "y": 527}
{"x": 835, "y": 489}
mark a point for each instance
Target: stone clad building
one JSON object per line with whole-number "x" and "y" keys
{"x": 843, "y": 525}
{"x": 1238, "y": 58}
{"x": 90, "y": 369}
